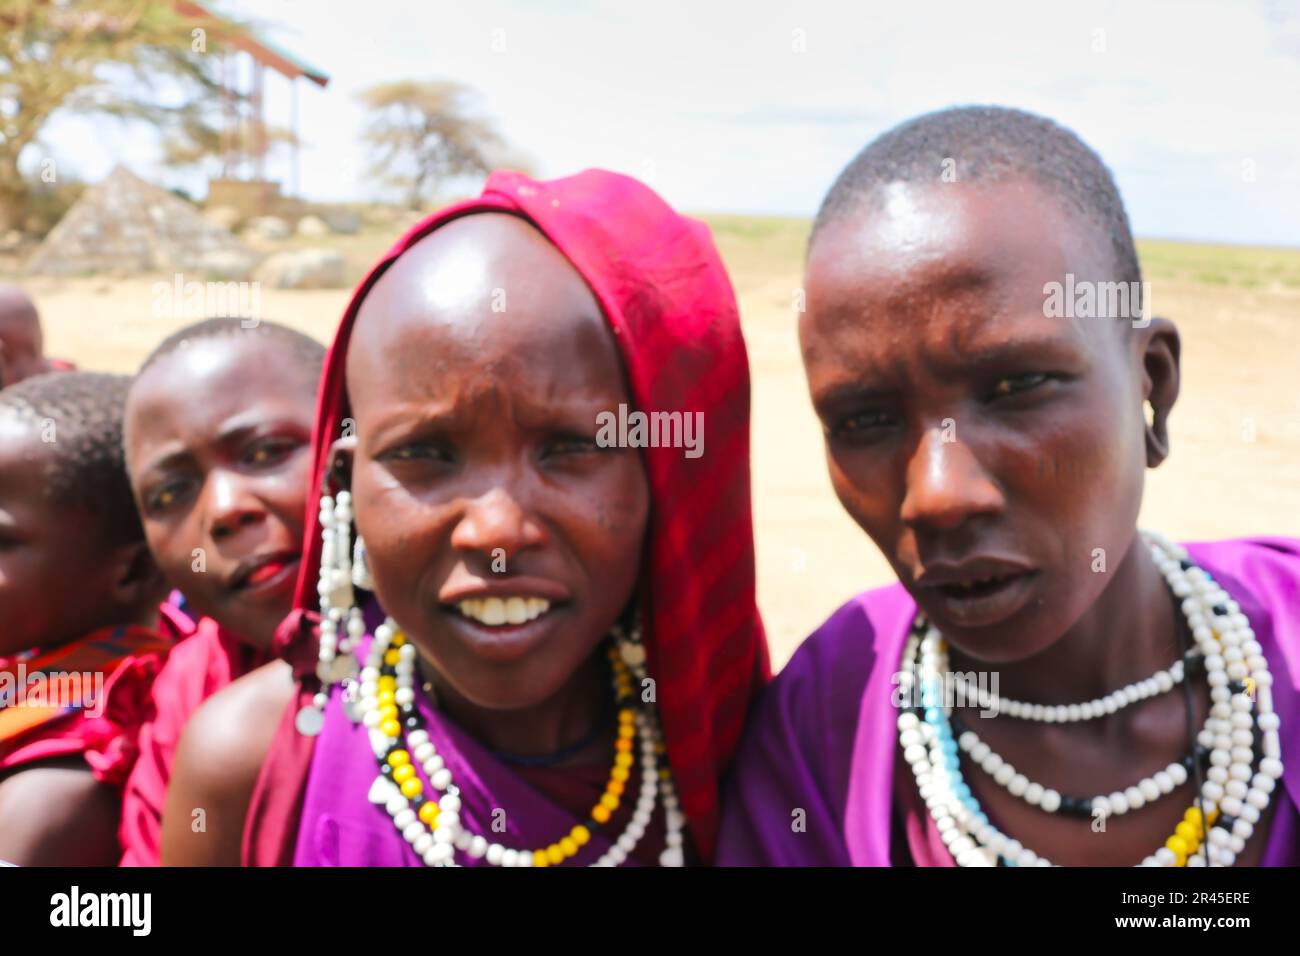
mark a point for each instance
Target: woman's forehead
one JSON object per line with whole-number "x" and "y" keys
{"x": 949, "y": 264}
{"x": 218, "y": 371}
{"x": 192, "y": 397}
{"x": 489, "y": 298}
{"x": 478, "y": 261}
{"x": 1012, "y": 235}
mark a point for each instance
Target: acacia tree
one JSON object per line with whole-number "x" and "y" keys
{"x": 97, "y": 56}
{"x": 198, "y": 140}
{"x": 424, "y": 133}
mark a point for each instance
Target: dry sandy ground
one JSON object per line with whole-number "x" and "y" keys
{"x": 1241, "y": 368}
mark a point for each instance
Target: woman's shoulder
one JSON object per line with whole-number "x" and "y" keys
{"x": 1263, "y": 575}
{"x": 797, "y": 755}
{"x": 230, "y": 733}
{"x": 56, "y": 813}
{"x": 817, "y": 696}
{"x": 237, "y": 711}
{"x": 1271, "y": 555}
{"x": 217, "y": 765}
{"x": 862, "y": 630}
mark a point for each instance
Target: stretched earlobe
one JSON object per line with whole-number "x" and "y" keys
{"x": 339, "y": 469}
{"x": 1160, "y": 367}
{"x": 1157, "y": 436}
{"x": 139, "y": 580}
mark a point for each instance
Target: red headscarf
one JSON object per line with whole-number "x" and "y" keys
{"x": 667, "y": 298}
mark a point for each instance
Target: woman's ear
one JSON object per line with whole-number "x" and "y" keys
{"x": 138, "y": 582}
{"x": 1160, "y": 347}
{"x": 339, "y": 470}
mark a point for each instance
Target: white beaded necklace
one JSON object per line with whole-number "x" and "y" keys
{"x": 1232, "y": 654}
{"x": 1160, "y": 682}
{"x": 343, "y": 565}
{"x": 436, "y": 847}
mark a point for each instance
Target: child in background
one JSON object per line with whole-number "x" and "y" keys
{"x": 218, "y": 440}
{"x": 79, "y": 597}
{"x": 22, "y": 344}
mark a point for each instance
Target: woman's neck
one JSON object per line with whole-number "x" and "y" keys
{"x": 548, "y": 727}
{"x": 1126, "y": 635}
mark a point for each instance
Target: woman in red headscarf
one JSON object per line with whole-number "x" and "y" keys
{"x": 537, "y": 638}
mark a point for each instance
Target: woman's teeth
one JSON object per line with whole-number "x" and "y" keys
{"x": 978, "y": 583}
{"x": 495, "y": 611}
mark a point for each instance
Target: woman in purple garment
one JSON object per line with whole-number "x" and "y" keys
{"x": 1046, "y": 684}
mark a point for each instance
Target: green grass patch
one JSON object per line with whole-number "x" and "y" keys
{"x": 1241, "y": 267}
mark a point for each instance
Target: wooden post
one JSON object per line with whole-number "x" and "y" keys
{"x": 227, "y": 81}
{"x": 259, "y": 128}
{"x": 293, "y": 131}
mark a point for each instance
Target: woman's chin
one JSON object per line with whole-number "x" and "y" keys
{"x": 520, "y": 690}
{"x": 1010, "y": 642}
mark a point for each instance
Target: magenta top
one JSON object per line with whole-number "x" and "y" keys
{"x": 823, "y": 737}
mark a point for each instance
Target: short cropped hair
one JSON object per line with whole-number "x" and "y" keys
{"x": 989, "y": 143}
{"x": 83, "y": 414}
{"x": 307, "y": 353}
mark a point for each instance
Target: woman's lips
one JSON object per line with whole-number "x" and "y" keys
{"x": 503, "y": 628}
{"x": 269, "y": 577}
{"x": 981, "y": 602}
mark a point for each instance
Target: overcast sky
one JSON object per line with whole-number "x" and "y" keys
{"x": 754, "y": 105}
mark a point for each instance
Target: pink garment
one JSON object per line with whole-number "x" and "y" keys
{"x": 107, "y": 742}
{"x": 206, "y": 660}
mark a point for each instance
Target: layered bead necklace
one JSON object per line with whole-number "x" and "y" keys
{"x": 434, "y": 828}
{"x": 1238, "y": 746}
{"x": 385, "y": 703}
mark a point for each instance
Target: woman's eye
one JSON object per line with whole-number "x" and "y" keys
{"x": 271, "y": 451}
{"x": 418, "y": 451}
{"x": 570, "y": 444}
{"x": 164, "y": 496}
{"x": 860, "y": 422}
{"x": 1014, "y": 384}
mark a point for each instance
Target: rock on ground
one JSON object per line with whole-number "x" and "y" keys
{"x": 313, "y": 226}
{"x": 268, "y": 227}
{"x": 303, "y": 269}
{"x": 227, "y": 217}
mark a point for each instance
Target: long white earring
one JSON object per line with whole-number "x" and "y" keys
{"x": 335, "y": 662}
{"x": 361, "y": 566}
{"x": 632, "y": 650}
{"x": 630, "y": 647}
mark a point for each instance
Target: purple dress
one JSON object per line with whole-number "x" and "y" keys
{"x": 814, "y": 783}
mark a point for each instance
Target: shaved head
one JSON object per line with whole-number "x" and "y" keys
{"x": 22, "y": 348}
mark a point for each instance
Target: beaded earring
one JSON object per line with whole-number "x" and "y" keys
{"x": 338, "y": 610}
{"x": 361, "y": 566}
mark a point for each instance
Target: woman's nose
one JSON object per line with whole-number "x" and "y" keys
{"x": 946, "y": 484}
{"x": 230, "y": 505}
{"x": 497, "y": 522}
